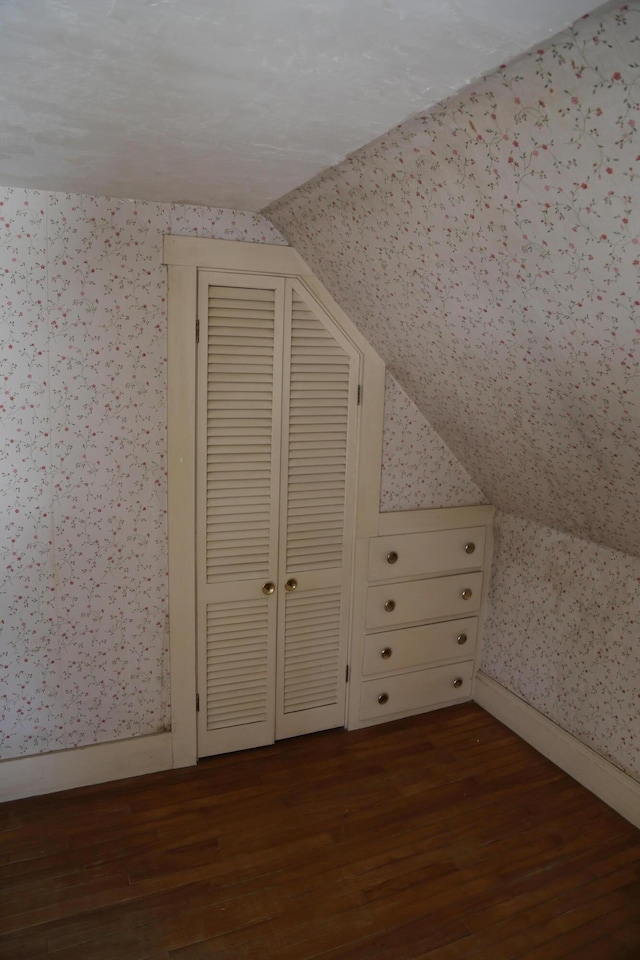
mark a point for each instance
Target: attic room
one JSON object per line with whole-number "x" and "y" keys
{"x": 455, "y": 186}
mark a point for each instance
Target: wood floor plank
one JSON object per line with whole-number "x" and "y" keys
{"x": 577, "y": 932}
{"x": 441, "y": 836}
{"x": 611, "y": 865}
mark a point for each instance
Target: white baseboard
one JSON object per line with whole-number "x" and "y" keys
{"x": 606, "y": 781}
{"x": 64, "y": 769}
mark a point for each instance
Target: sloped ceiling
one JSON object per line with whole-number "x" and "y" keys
{"x": 489, "y": 249}
{"x": 234, "y": 102}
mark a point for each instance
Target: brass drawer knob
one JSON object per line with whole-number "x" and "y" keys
{"x": 268, "y": 587}
{"x": 386, "y": 652}
{"x": 291, "y": 585}
{"x": 469, "y": 547}
{"x": 461, "y": 638}
{"x": 457, "y": 682}
{"x": 390, "y": 605}
{"x": 466, "y": 594}
{"x": 392, "y": 557}
{"x": 383, "y": 698}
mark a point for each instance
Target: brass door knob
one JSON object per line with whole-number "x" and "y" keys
{"x": 469, "y": 547}
{"x": 383, "y": 698}
{"x": 392, "y": 557}
{"x": 268, "y": 587}
{"x": 461, "y": 638}
{"x": 386, "y": 652}
{"x": 457, "y": 682}
{"x": 291, "y": 585}
{"x": 390, "y": 605}
{"x": 466, "y": 594}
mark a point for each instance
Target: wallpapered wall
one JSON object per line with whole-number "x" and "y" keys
{"x": 418, "y": 469}
{"x": 83, "y": 590}
{"x": 489, "y": 250}
{"x": 83, "y": 598}
{"x": 563, "y": 632}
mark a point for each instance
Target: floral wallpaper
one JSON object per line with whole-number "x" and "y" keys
{"x": 83, "y": 596}
{"x": 563, "y": 633}
{"x": 489, "y": 250}
{"x": 83, "y": 593}
{"x": 418, "y": 469}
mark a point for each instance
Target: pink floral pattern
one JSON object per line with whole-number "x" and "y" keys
{"x": 563, "y": 633}
{"x": 489, "y": 250}
{"x": 83, "y": 599}
{"x": 83, "y": 602}
{"x": 418, "y": 469}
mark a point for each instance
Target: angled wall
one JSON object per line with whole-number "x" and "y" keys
{"x": 418, "y": 469}
{"x": 563, "y": 634}
{"x": 489, "y": 250}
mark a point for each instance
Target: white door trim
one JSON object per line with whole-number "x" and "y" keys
{"x": 183, "y": 257}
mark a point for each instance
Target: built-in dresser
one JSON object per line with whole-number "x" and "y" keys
{"x": 419, "y": 611}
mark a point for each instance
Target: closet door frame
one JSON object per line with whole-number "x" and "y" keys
{"x": 184, "y": 256}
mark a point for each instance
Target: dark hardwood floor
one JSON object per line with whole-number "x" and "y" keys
{"x": 443, "y": 837}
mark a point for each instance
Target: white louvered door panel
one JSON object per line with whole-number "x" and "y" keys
{"x": 321, "y": 370}
{"x": 239, "y": 421}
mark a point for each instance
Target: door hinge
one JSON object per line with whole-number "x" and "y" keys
{"x": 359, "y": 393}
{"x": 197, "y": 703}
{"x": 346, "y": 676}
{"x": 197, "y": 329}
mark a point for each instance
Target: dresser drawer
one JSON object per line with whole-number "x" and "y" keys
{"x": 389, "y": 605}
{"x": 422, "y": 554}
{"x": 419, "y": 646}
{"x": 411, "y": 691}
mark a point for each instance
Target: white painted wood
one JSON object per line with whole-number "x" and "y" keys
{"x": 239, "y": 414}
{"x": 370, "y": 446}
{"x": 187, "y": 256}
{"x": 236, "y": 667}
{"x": 606, "y": 781}
{"x": 419, "y": 521}
{"x": 181, "y": 467}
{"x": 484, "y": 602}
{"x": 399, "y": 556}
{"x": 419, "y": 646}
{"x": 263, "y": 258}
{"x": 318, "y": 468}
{"x": 371, "y": 412}
{"x": 66, "y": 769}
{"x": 230, "y": 255}
{"x": 429, "y": 613}
{"x": 417, "y": 600}
{"x": 410, "y": 691}
{"x": 358, "y": 632}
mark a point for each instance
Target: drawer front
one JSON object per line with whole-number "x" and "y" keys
{"x": 411, "y": 691}
{"x": 419, "y": 646}
{"x": 389, "y": 605}
{"x": 422, "y": 554}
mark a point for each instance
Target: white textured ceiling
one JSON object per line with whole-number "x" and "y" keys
{"x": 232, "y": 102}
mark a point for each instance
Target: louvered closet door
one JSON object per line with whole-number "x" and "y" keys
{"x": 239, "y": 419}
{"x": 317, "y": 509}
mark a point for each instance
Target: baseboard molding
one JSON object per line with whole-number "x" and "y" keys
{"x": 65, "y": 769}
{"x": 606, "y": 781}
